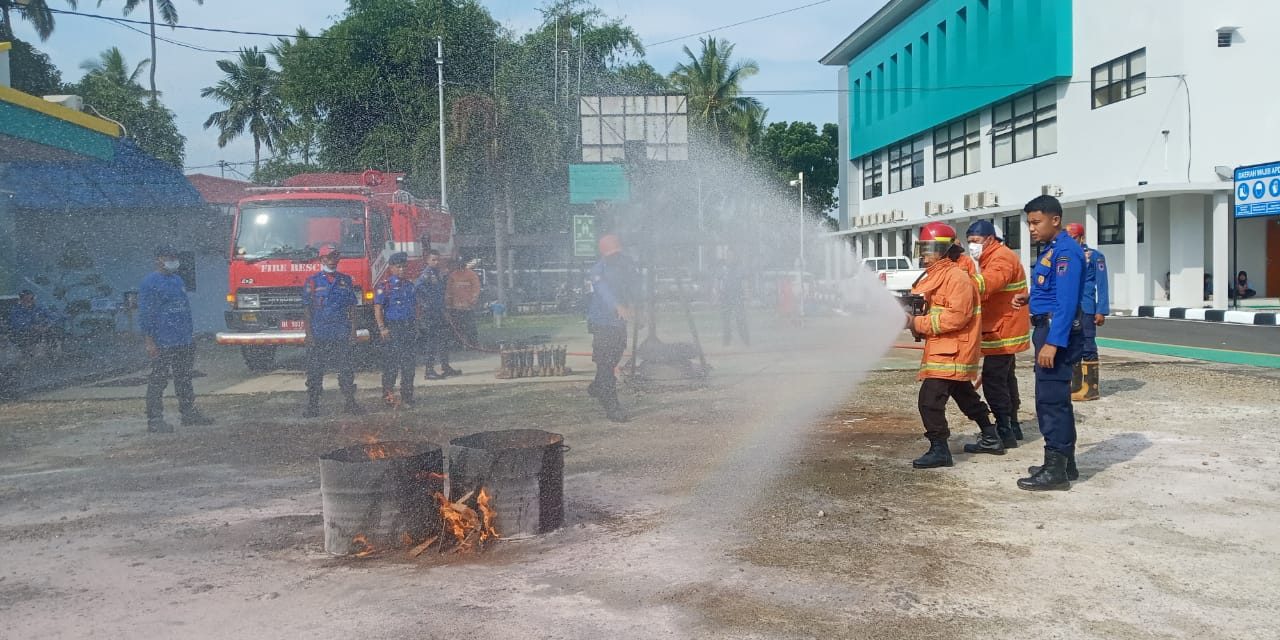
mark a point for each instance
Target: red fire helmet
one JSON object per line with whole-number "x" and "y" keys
{"x": 935, "y": 238}
{"x": 1075, "y": 230}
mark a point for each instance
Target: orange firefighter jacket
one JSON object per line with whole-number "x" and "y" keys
{"x": 462, "y": 289}
{"x": 1001, "y": 276}
{"x": 952, "y": 324}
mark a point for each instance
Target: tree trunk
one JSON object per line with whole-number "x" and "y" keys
{"x": 500, "y": 248}
{"x": 511, "y": 230}
{"x": 6, "y": 31}
{"x": 151, "y": 5}
{"x": 257, "y": 155}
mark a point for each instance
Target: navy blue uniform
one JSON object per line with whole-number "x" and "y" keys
{"x": 1057, "y": 284}
{"x": 613, "y": 284}
{"x": 434, "y": 325}
{"x": 1096, "y": 299}
{"x": 164, "y": 315}
{"x": 399, "y": 301}
{"x": 328, "y": 299}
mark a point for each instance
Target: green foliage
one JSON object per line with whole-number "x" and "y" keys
{"x": 713, "y": 82}
{"x": 249, "y": 91}
{"x": 32, "y": 72}
{"x": 110, "y": 88}
{"x": 788, "y": 148}
{"x": 34, "y": 11}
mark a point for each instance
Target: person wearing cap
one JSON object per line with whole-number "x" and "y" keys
{"x": 433, "y": 322}
{"x": 1057, "y": 287}
{"x": 1006, "y": 330}
{"x": 329, "y": 300}
{"x": 395, "y": 308}
{"x": 952, "y": 332}
{"x": 164, "y": 318}
{"x": 1095, "y": 307}
{"x": 462, "y": 291}
{"x": 613, "y": 296}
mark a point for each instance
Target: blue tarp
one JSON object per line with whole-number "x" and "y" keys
{"x": 133, "y": 180}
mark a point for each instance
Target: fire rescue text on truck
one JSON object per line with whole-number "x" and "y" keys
{"x": 275, "y": 241}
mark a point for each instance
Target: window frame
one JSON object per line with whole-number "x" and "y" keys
{"x": 1011, "y": 227}
{"x": 905, "y": 159}
{"x": 1030, "y": 113}
{"x": 872, "y": 175}
{"x": 1112, "y": 233}
{"x": 945, "y": 149}
{"x": 1118, "y": 89}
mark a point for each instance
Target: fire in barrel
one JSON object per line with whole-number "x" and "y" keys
{"x": 380, "y": 495}
{"x": 521, "y": 472}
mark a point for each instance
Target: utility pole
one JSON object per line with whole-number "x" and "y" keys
{"x": 444, "y": 170}
{"x": 799, "y": 181}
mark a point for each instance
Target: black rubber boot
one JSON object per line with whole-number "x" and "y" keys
{"x": 313, "y": 405}
{"x": 988, "y": 441}
{"x": 1073, "y": 473}
{"x": 158, "y": 425}
{"x": 193, "y": 418}
{"x": 1051, "y": 476}
{"x": 938, "y": 455}
{"x": 1005, "y": 431}
{"x": 1015, "y": 427}
{"x": 406, "y": 397}
{"x": 352, "y": 407}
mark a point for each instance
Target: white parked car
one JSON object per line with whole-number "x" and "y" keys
{"x": 898, "y": 273}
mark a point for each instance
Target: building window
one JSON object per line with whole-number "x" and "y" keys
{"x": 956, "y": 149}
{"x": 1120, "y": 79}
{"x": 906, "y": 165}
{"x": 904, "y": 245}
{"x": 1225, "y": 37}
{"x": 1011, "y": 228}
{"x": 1025, "y": 127}
{"x": 872, "y": 176}
{"x": 1111, "y": 223}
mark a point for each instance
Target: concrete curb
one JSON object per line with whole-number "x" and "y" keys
{"x": 1233, "y": 316}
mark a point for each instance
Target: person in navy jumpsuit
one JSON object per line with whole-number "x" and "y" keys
{"x": 164, "y": 317}
{"x": 1057, "y": 284}
{"x": 395, "y": 308}
{"x": 1095, "y": 306}
{"x": 329, "y": 300}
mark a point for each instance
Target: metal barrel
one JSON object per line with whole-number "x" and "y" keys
{"x": 381, "y": 498}
{"x": 523, "y": 471}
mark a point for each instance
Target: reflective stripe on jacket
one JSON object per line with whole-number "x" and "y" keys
{"x": 952, "y": 325}
{"x": 1005, "y": 330}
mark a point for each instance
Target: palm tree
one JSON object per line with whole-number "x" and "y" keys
{"x": 111, "y": 67}
{"x": 168, "y": 13}
{"x": 713, "y": 82}
{"x": 250, "y": 93}
{"x": 36, "y": 12}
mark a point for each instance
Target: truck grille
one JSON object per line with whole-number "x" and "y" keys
{"x": 278, "y": 298}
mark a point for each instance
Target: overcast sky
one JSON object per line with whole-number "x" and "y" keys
{"x": 786, "y": 47}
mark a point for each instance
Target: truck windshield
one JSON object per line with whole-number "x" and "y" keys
{"x": 297, "y": 229}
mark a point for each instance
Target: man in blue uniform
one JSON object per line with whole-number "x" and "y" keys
{"x": 30, "y": 324}
{"x": 395, "y": 308}
{"x": 434, "y": 322}
{"x": 613, "y": 296}
{"x": 329, "y": 301}
{"x": 164, "y": 317}
{"x": 1095, "y": 306}
{"x": 1057, "y": 285}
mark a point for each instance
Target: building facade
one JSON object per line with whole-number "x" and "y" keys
{"x": 1131, "y": 112}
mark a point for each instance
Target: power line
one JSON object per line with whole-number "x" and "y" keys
{"x": 179, "y": 43}
{"x": 196, "y": 28}
{"x": 738, "y": 24}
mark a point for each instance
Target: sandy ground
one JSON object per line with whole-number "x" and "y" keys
{"x": 699, "y": 519}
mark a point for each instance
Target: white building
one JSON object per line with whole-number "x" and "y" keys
{"x": 1132, "y": 112}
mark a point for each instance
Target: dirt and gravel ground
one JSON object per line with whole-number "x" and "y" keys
{"x": 772, "y": 502}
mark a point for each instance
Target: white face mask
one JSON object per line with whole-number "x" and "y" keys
{"x": 975, "y": 250}
{"x": 171, "y": 265}
{"x": 328, "y": 268}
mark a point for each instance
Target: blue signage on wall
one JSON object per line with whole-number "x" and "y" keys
{"x": 1258, "y": 190}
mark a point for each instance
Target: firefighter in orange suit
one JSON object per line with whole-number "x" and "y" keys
{"x": 1005, "y": 330}
{"x": 951, "y": 328}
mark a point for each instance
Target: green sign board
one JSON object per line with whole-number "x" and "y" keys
{"x": 590, "y": 183}
{"x": 584, "y": 236}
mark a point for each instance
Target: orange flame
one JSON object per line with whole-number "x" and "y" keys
{"x": 362, "y": 543}
{"x": 377, "y": 451}
{"x": 487, "y": 516}
{"x": 468, "y": 529}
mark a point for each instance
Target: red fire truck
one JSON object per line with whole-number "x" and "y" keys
{"x": 275, "y": 242}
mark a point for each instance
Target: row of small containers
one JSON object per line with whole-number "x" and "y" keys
{"x": 384, "y": 492}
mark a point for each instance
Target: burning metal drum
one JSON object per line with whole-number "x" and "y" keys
{"x": 523, "y": 471}
{"x": 380, "y": 495}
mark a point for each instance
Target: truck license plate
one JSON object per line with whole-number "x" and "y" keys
{"x": 291, "y": 325}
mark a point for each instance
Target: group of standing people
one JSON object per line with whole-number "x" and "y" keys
{"x": 979, "y": 304}
{"x": 411, "y": 316}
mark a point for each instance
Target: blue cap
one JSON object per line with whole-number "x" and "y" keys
{"x": 982, "y": 228}
{"x": 398, "y": 258}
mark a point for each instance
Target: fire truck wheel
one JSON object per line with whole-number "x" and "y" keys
{"x": 259, "y": 358}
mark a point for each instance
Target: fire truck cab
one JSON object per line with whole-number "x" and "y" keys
{"x": 275, "y": 242}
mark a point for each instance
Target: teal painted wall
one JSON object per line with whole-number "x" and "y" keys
{"x": 950, "y": 58}
{"x": 37, "y": 127}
